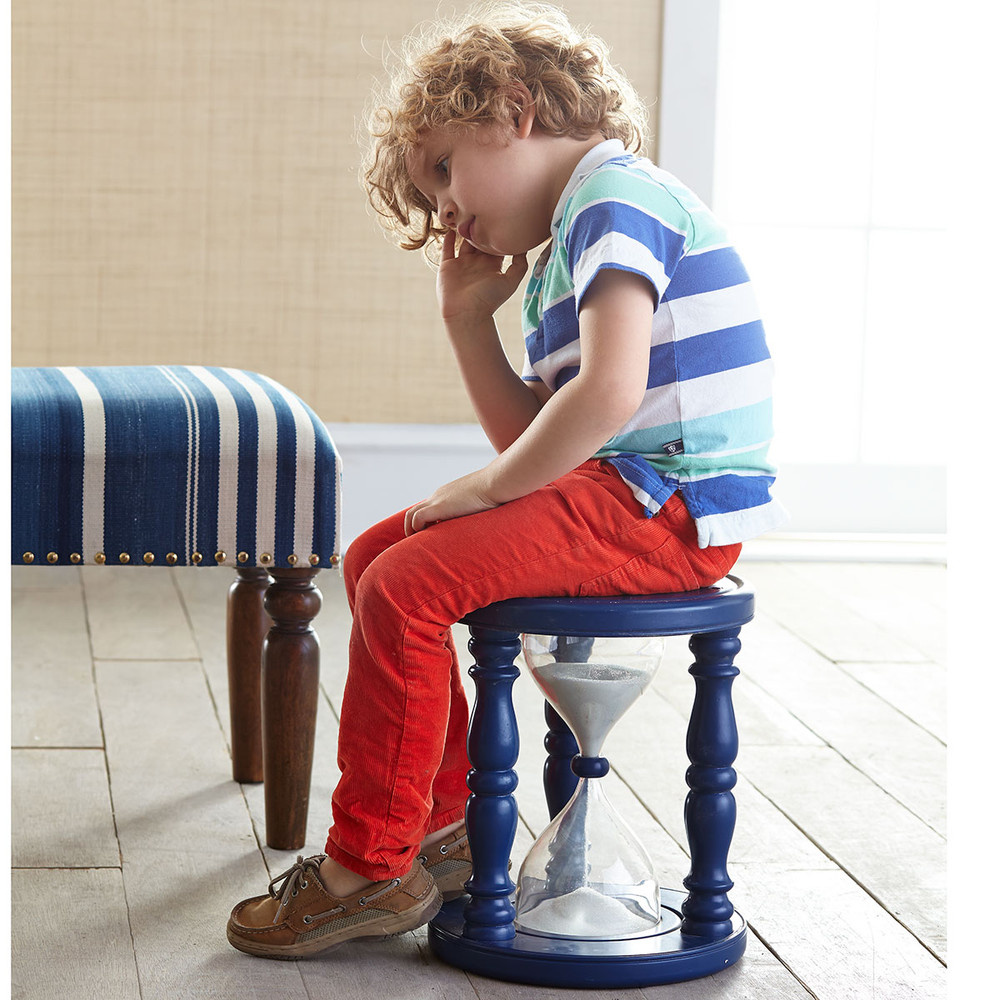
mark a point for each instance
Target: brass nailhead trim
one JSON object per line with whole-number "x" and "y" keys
{"x": 52, "y": 558}
{"x": 124, "y": 558}
{"x": 335, "y": 559}
{"x": 100, "y": 558}
{"x": 220, "y": 557}
{"x": 265, "y": 558}
{"x": 196, "y": 558}
{"x": 28, "y": 557}
{"x": 149, "y": 558}
{"x": 74, "y": 557}
{"x": 171, "y": 558}
{"x": 242, "y": 557}
{"x": 293, "y": 560}
{"x": 314, "y": 560}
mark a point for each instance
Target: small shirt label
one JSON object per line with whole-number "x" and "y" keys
{"x": 674, "y": 448}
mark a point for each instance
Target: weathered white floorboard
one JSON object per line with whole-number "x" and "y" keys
{"x": 52, "y": 688}
{"x": 898, "y": 859}
{"x": 186, "y": 839}
{"x": 825, "y": 619}
{"x": 918, "y": 691}
{"x": 60, "y": 810}
{"x": 837, "y": 858}
{"x": 896, "y": 753}
{"x": 135, "y": 613}
{"x": 70, "y": 935}
{"x": 907, "y": 601}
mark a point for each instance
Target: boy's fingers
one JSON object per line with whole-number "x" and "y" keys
{"x": 518, "y": 265}
{"x": 408, "y": 528}
{"x": 448, "y": 244}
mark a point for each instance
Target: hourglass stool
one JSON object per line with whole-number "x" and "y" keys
{"x": 699, "y": 932}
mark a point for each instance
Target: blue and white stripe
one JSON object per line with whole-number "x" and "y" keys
{"x": 704, "y": 425}
{"x": 171, "y": 465}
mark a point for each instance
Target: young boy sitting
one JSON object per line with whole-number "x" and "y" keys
{"x": 631, "y": 450}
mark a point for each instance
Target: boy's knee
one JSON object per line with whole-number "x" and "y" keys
{"x": 353, "y": 565}
{"x": 366, "y": 548}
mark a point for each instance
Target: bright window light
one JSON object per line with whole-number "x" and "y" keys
{"x": 829, "y": 171}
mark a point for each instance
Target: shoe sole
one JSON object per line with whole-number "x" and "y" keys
{"x": 452, "y": 884}
{"x": 386, "y": 926}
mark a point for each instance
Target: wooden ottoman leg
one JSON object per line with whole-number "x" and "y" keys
{"x": 246, "y": 626}
{"x": 289, "y": 693}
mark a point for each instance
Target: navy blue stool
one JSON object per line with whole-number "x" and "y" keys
{"x": 194, "y": 466}
{"x": 700, "y": 932}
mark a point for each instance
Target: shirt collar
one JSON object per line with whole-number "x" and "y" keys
{"x": 595, "y": 157}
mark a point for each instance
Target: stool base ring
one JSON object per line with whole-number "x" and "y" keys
{"x": 648, "y": 960}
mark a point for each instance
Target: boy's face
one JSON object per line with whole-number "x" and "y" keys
{"x": 489, "y": 183}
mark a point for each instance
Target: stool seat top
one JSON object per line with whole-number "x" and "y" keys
{"x": 727, "y": 604}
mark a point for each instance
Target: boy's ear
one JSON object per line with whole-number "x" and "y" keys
{"x": 523, "y": 118}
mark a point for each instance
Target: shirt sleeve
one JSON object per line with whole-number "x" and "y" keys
{"x": 528, "y": 373}
{"x": 648, "y": 237}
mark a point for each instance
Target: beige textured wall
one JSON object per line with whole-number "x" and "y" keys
{"x": 185, "y": 192}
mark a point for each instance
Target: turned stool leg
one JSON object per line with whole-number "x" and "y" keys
{"x": 246, "y": 626}
{"x": 491, "y": 812}
{"x": 710, "y": 808}
{"x": 558, "y": 778}
{"x": 289, "y": 694}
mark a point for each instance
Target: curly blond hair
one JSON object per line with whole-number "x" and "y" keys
{"x": 466, "y": 74}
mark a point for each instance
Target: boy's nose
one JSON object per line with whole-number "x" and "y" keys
{"x": 448, "y": 215}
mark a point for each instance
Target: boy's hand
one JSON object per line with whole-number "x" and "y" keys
{"x": 472, "y": 285}
{"x": 456, "y": 499}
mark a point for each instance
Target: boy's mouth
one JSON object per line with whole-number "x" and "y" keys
{"x": 465, "y": 229}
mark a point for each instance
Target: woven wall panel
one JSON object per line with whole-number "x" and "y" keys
{"x": 185, "y": 192}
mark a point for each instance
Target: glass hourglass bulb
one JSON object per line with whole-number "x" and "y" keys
{"x": 587, "y": 875}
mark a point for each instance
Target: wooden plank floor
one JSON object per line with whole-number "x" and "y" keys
{"x": 130, "y": 843}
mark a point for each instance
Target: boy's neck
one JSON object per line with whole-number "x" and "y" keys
{"x": 564, "y": 154}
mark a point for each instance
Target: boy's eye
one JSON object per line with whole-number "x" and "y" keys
{"x": 442, "y": 166}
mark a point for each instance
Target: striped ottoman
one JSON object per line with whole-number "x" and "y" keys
{"x": 196, "y": 466}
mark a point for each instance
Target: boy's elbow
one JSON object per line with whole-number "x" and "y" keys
{"x": 615, "y": 400}
{"x": 620, "y": 404}
{"x": 629, "y": 395}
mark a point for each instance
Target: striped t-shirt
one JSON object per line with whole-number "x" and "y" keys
{"x": 704, "y": 425}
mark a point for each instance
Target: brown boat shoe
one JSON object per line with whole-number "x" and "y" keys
{"x": 450, "y": 863}
{"x": 301, "y": 918}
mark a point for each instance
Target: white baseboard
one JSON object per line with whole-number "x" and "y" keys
{"x": 841, "y": 547}
{"x": 867, "y": 513}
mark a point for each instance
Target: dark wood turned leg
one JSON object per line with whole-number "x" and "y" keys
{"x": 246, "y": 626}
{"x": 490, "y": 811}
{"x": 289, "y": 693}
{"x": 710, "y": 808}
{"x": 557, "y": 775}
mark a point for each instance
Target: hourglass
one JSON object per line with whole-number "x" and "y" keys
{"x": 587, "y": 875}
{"x": 588, "y": 911}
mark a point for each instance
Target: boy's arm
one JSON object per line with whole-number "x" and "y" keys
{"x": 615, "y": 330}
{"x": 471, "y": 286}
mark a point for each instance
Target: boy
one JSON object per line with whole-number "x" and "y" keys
{"x": 630, "y": 451}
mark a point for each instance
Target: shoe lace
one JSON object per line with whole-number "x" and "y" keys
{"x": 293, "y": 880}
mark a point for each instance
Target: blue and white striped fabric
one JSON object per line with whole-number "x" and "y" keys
{"x": 169, "y": 465}
{"x": 704, "y": 425}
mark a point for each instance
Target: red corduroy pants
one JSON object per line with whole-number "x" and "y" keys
{"x": 402, "y": 750}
